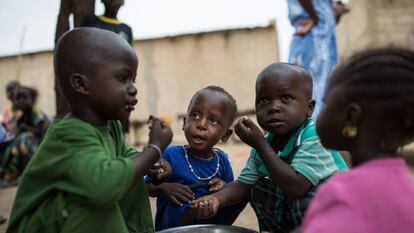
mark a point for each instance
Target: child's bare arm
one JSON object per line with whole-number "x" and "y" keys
{"x": 160, "y": 136}
{"x": 207, "y": 206}
{"x": 179, "y": 194}
{"x": 305, "y": 26}
{"x": 308, "y": 7}
{"x": 232, "y": 193}
{"x": 216, "y": 184}
{"x": 293, "y": 184}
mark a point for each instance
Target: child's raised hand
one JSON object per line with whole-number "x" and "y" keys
{"x": 160, "y": 171}
{"x": 160, "y": 133}
{"x": 177, "y": 193}
{"x": 206, "y": 207}
{"x": 248, "y": 132}
{"x": 216, "y": 184}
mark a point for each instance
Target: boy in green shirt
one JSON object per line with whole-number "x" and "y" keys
{"x": 84, "y": 178}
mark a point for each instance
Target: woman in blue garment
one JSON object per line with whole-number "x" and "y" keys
{"x": 313, "y": 45}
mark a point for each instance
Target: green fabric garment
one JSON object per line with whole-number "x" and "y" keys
{"x": 303, "y": 152}
{"x": 80, "y": 180}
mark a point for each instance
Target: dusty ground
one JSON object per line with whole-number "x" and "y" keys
{"x": 238, "y": 154}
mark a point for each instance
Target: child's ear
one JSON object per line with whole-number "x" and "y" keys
{"x": 227, "y": 135}
{"x": 184, "y": 118}
{"x": 79, "y": 83}
{"x": 311, "y": 107}
{"x": 353, "y": 114}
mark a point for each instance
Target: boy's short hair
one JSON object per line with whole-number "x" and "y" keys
{"x": 286, "y": 70}
{"x": 231, "y": 101}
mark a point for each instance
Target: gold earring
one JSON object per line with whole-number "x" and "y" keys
{"x": 350, "y": 131}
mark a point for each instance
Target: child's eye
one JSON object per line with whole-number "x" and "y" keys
{"x": 123, "y": 79}
{"x": 286, "y": 98}
{"x": 262, "y": 101}
{"x": 195, "y": 115}
{"x": 214, "y": 121}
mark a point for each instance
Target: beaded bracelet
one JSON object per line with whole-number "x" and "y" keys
{"x": 157, "y": 148}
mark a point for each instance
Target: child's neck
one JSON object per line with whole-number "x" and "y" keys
{"x": 279, "y": 142}
{"x": 206, "y": 154}
{"x": 374, "y": 146}
{"x": 110, "y": 15}
{"x": 27, "y": 115}
{"x": 362, "y": 157}
{"x": 89, "y": 116}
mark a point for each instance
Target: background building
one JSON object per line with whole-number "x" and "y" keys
{"x": 374, "y": 23}
{"x": 170, "y": 70}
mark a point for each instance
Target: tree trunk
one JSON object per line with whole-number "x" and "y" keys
{"x": 79, "y": 9}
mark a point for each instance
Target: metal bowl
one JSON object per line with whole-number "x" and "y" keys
{"x": 208, "y": 228}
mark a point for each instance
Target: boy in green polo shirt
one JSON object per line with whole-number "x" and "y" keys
{"x": 84, "y": 177}
{"x": 288, "y": 163}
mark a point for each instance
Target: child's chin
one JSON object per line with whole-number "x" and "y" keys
{"x": 122, "y": 117}
{"x": 280, "y": 132}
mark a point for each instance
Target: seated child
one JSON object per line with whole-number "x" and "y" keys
{"x": 26, "y": 127}
{"x": 8, "y": 111}
{"x": 288, "y": 164}
{"x": 84, "y": 178}
{"x": 198, "y": 168}
{"x": 369, "y": 112}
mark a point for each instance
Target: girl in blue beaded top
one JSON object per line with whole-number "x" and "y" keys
{"x": 198, "y": 168}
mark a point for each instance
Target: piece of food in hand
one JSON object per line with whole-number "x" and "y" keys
{"x": 167, "y": 119}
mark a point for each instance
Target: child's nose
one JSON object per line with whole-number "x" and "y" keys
{"x": 275, "y": 106}
{"x": 132, "y": 90}
{"x": 202, "y": 123}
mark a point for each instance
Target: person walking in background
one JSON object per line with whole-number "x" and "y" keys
{"x": 109, "y": 21}
{"x": 313, "y": 45}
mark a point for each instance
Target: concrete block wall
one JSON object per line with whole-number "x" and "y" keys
{"x": 375, "y": 23}
{"x": 170, "y": 70}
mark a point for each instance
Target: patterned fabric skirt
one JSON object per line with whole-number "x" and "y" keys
{"x": 17, "y": 155}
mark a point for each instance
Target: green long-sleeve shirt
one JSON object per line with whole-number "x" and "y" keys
{"x": 80, "y": 180}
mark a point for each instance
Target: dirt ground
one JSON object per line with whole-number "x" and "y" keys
{"x": 238, "y": 154}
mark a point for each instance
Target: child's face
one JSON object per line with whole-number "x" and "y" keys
{"x": 206, "y": 122}
{"x": 282, "y": 104}
{"x": 112, "y": 94}
{"x": 10, "y": 88}
{"x": 22, "y": 99}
